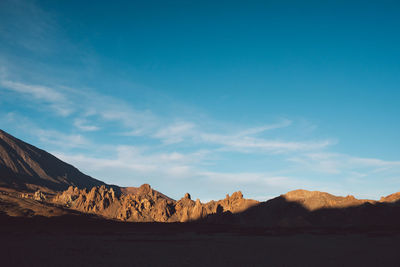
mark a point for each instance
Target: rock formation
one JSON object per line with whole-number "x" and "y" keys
{"x": 39, "y": 196}
{"x": 147, "y": 205}
{"x": 391, "y": 198}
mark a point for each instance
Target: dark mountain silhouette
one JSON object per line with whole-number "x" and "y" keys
{"x": 26, "y": 167}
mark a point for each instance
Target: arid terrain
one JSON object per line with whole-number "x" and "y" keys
{"x": 51, "y": 214}
{"x": 71, "y": 242}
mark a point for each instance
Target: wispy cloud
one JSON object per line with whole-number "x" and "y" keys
{"x": 60, "y": 139}
{"x": 176, "y": 132}
{"x": 84, "y": 104}
{"x": 83, "y": 125}
{"x": 55, "y": 99}
{"x": 47, "y": 137}
{"x": 88, "y": 104}
{"x": 249, "y": 144}
{"x": 263, "y": 179}
{"x": 256, "y": 130}
{"x": 240, "y": 141}
{"x": 39, "y": 92}
{"x": 336, "y": 163}
{"x": 180, "y": 170}
{"x": 140, "y": 161}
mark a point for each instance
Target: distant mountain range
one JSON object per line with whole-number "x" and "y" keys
{"x": 25, "y": 169}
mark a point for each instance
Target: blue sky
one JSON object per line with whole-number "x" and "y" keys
{"x": 209, "y": 97}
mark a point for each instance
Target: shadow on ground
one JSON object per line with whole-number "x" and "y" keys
{"x": 280, "y": 213}
{"x": 274, "y": 233}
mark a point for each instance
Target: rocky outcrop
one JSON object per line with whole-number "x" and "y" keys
{"x": 147, "y": 205}
{"x": 391, "y": 198}
{"x": 39, "y": 196}
{"x": 236, "y": 203}
{"x": 97, "y": 200}
{"x": 187, "y": 210}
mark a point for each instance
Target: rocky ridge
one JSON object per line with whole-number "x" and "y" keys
{"x": 314, "y": 200}
{"x": 391, "y": 198}
{"x": 147, "y": 205}
{"x": 298, "y": 208}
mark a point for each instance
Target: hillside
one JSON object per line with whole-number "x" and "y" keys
{"x": 26, "y": 167}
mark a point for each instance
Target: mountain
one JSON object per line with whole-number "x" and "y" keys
{"x": 26, "y": 167}
{"x": 295, "y": 209}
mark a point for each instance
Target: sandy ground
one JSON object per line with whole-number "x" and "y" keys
{"x": 109, "y": 244}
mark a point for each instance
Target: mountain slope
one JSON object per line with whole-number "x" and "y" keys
{"x": 26, "y": 167}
